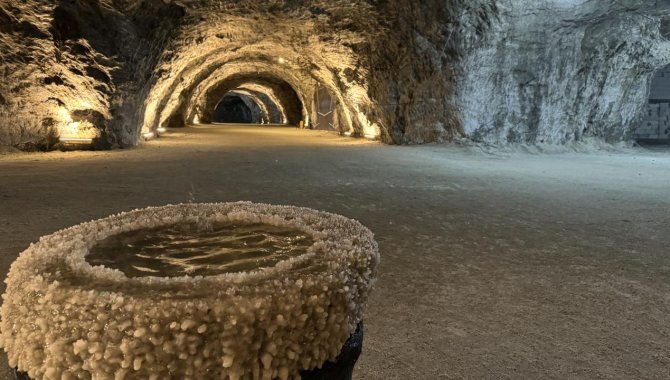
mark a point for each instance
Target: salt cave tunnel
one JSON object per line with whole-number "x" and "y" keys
{"x": 492, "y": 71}
{"x": 511, "y": 158}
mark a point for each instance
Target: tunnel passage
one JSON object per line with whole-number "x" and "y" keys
{"x": 262, "y": 95}
{"x": 270, "y": 112}
{"x": 237, "y": 108}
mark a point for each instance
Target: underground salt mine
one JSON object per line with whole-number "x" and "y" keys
{"x": 334, "y": 189}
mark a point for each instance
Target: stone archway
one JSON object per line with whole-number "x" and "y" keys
{"x": 234, "y": 108}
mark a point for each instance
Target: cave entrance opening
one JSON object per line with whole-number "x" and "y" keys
{"x": 251, "y": 99}
{"x": 654, "y": 125}
{"x": 236, "y": 108}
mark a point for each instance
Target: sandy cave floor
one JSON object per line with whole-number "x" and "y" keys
{"x": 493, "y": 265}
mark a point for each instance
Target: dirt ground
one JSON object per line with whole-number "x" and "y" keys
{"x": 494, "y": 266}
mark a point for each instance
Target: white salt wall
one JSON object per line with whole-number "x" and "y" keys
{"x": 557, "y": 71}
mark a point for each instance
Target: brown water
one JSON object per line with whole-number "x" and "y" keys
{"x": 175, "y": 251}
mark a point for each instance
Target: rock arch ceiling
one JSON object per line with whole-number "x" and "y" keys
{"x": 232, "y": 50}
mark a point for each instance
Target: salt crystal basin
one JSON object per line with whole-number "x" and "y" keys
{"x": 62, "y": 318}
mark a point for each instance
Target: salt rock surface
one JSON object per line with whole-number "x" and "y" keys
{"x": 65, "y": 319}
{"x": 562, "y": 71}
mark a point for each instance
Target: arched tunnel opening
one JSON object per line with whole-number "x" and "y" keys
{"x": 236, "y": 108}
{"x": 276, "y": 92}
{"x": 249, "y": 99}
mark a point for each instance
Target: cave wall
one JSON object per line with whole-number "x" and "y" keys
{"x": 413, "y": 66}
{"x": 495, "y": 71}
{"x": 70, "y": 62}
{"x": 560, "y": 71}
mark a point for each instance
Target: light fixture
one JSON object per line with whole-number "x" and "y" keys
{"x": 370, "y": 131}
{"x": 76, "y": 140}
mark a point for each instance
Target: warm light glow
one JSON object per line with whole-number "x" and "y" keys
{"x": 349, "y": 133}
{"x": 370, "y": 130}
{"x": 196, "y": 120}
{"x": 281, "y": 60}
{"x": 64, "y": 115}
{"x": 85, "y": 104}
{"x": 161, "y": 130}
{"x": 72, "y": 129}
{"x": 148, "y": 135}
{"x": 75, "y": 132}
{"x": 76, "y": 140}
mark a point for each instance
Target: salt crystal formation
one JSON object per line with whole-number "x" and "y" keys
{"x": 65, "y": 319}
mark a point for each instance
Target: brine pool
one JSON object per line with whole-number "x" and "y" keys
{"x": 195, "y": 250}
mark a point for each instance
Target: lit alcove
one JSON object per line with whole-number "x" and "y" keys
{"x": 247, "y": 99}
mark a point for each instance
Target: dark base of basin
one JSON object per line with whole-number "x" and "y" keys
{"x": 341, "y": 369}
{"x": 20, "y": 375}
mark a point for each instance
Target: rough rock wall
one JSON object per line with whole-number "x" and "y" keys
{"x": 78, "y": 64}
{"x": 558, "y": 71}
{"x": 413, "y": 65}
